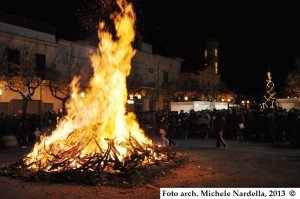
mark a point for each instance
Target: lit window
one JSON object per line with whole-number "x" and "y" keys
{"x": 205, "y": 53}
{"x": 216, "y": 52}
{"x": 216, "y": 68}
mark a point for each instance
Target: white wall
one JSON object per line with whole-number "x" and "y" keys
{"x": 198, "y": 106}
{"x": 185, "y": 106}
{"x": 289, "y": 103}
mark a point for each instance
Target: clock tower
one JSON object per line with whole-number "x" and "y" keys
{"x": 211, "y": 55}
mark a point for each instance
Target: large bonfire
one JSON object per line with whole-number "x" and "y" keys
{"x": 98, "y": 134}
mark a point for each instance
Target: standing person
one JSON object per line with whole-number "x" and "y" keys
{"x": 22, "y": 134}
{"x": 163, "y": 126}
{"x": 218, "y": 129}
{"x": 172, "y": 128}
{"x": 230, "y": 127}
{"x": 240, "y": 125}
{"x": 37, "y": 134}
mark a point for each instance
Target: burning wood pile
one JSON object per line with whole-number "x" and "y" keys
{"x": 102, "y": 169}
{"x": 98, "y": 139}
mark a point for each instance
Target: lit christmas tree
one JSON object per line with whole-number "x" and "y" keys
{"x": 269, "y": 100}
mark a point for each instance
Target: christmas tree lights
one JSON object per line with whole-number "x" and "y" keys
{"x": 269, "y": 100}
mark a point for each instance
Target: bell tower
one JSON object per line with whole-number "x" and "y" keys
{"x": 211, "y": 54}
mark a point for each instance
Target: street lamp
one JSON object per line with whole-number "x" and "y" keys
{"x": 248, "y": 104}
{"x": 228, "y": 101}
{"x": 137, "y": 95}
{"x": 130, "y": 101}
{"x": 243, "y": 103}
{"x": 82, "y": 94}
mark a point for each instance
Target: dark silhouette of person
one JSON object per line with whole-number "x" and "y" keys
{"x": 218, "y": 129}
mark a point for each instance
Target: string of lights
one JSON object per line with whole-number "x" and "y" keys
{"x": 269, "y": 100}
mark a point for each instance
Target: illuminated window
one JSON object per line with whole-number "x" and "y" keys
{"x": 216, "y": 52}
{"x": 205, "y": 53}
{"x": 216, "y": 67}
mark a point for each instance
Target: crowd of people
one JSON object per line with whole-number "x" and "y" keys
{"x": 27, "y": 127}
{"x": 263, "y": 125}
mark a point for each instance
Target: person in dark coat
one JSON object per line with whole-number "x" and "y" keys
{"x": 163, "y": 128}
{"x": 172, "y": 128}
{"x": 218, "y": 129}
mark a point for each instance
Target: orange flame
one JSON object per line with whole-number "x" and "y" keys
{"x": 101, "y": 114}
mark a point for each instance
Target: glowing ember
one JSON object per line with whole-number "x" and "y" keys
{"x": 98, "y": 134}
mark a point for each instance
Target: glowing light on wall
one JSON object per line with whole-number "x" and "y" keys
{"x": 82, "y": 94}
{"x": 130, "y": 101}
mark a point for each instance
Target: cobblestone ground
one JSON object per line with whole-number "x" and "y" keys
{"x": 243, "y": 164}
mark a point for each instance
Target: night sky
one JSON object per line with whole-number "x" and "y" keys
{"x": 255, "y": 36}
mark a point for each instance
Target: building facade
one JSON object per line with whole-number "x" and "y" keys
{"x": 53, "y": 63}
{"x": 152, "y": 79}
{"x": 30, "y": 45}
{"x": 205, "y": 84}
